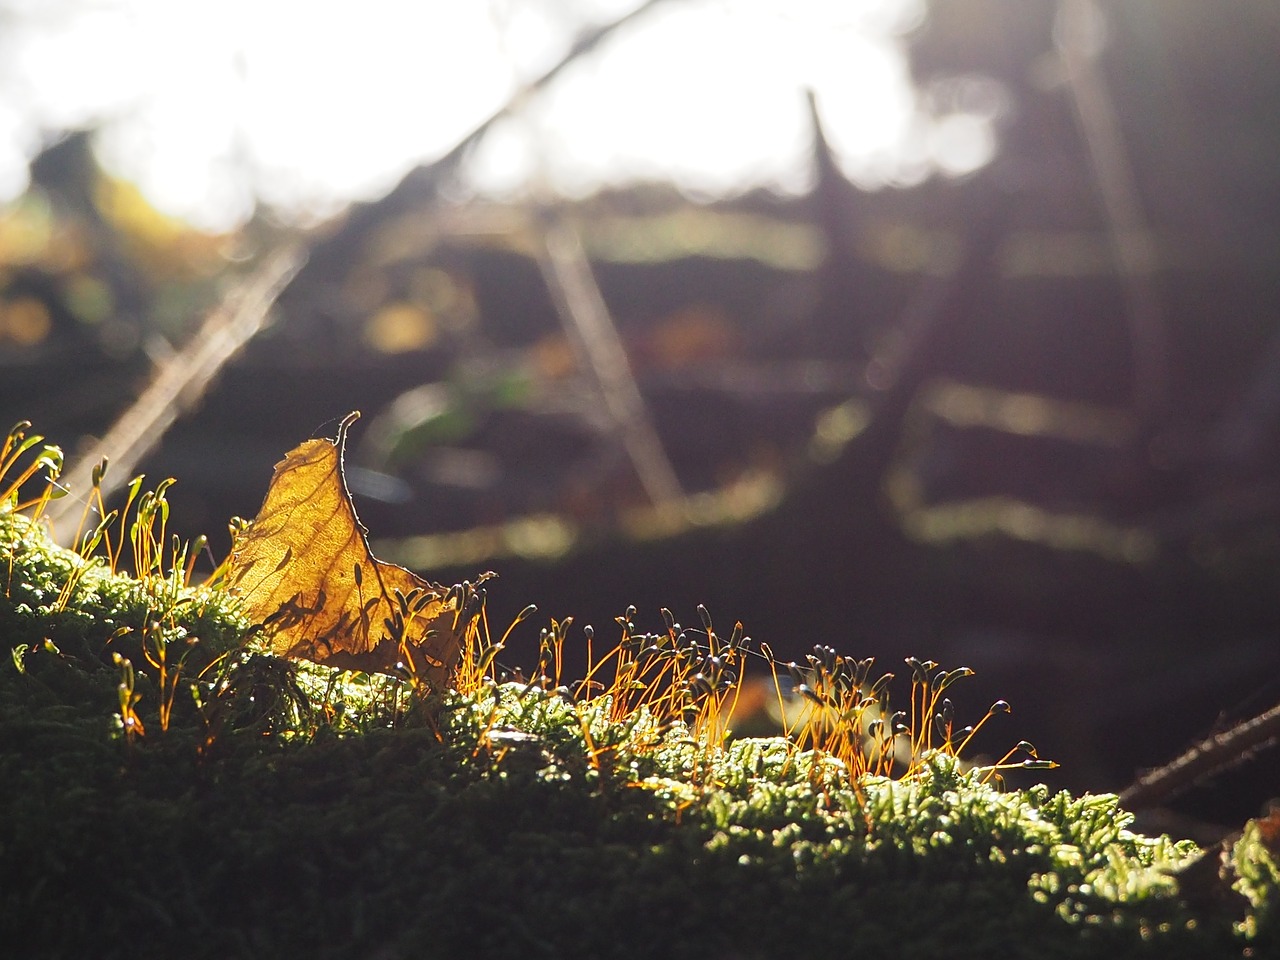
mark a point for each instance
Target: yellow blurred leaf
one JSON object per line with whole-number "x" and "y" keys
{"x": 401, "y": 327}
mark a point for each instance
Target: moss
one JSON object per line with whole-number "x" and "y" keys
{"x": 80, "y": 605}
{"x": 289, "y": 810}
{"x": 1255, "y": 859}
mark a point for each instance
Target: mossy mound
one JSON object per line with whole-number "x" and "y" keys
{"x": 288, "y": 810}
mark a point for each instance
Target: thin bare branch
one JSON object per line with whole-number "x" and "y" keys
{"x": 590, "y": 328}
{"x": 421, "y": 183}
{"x": 181, "y": 380}
{"x": 1210, "y": 756}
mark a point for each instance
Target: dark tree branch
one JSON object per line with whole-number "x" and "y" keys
{"x": 1212, "y": 755}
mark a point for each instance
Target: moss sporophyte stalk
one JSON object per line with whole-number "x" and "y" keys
{"x": 175, "y": 786}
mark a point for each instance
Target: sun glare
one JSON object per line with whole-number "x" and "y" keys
{"x": 309, "y": 105}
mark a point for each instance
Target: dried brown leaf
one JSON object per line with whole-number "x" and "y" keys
{"x": 305, "y": 572}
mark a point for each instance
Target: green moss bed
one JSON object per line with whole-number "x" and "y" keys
{"x": 284, "y": 810}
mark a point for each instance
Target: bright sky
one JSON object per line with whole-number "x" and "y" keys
{"x": 310, "y": 104}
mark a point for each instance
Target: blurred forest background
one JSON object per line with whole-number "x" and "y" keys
{"x": 996, "y": 383}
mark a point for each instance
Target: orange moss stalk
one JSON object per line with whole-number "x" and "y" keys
{"x": 15, "y": 444}
{"x": 831, "y": 707}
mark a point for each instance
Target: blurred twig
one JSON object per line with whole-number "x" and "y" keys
{"x": 586, "y": 319}
{"x": 1080, "y": 34}
{"x": 181, "y": 380}
{"x": 582, "y": 46}
{"x": 421, "y": 183}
